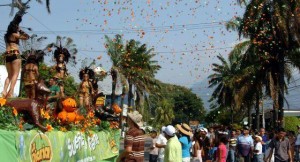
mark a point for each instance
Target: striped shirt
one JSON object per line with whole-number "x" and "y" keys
{"x": 135, "y": 138}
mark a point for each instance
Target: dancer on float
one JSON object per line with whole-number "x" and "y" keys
{"x": 31, "y": 73}
{"x": 12, "y": 55}
{"x": 86, "y": 90}
{"x": 61, "y": 56}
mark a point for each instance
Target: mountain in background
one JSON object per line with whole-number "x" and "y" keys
{"x": 293, "y": 97}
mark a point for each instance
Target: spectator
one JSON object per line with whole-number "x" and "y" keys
{"x": 185, "y": 140}
{"x": 134, "y": 139}
{"x": 196, "y": 151}
{"x": 245, "y": 145}
{"x": 205, "y": 145}
{"x": 258, "y": 154}
{"x": 173, "y": 151}
{"x": 222, "y": 151}
{"x": 264, "y": 137}
{"x": 232, "y": 146}
{"x": 281, "y": 147}
{"x": 153, "y": 154}
{"x": 161, "y": 143}
{"x": 297, "y": 144}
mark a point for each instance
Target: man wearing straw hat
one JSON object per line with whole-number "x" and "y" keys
{"x": 134, "y": 139}
{"x": 185, "y": 140}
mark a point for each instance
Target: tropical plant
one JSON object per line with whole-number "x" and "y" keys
{"x": 139, "y": 69}
{"x": 274, "y": 30}
{"x": 115, "y": 50}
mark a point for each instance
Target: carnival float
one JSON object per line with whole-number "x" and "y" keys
{"x": 47, "y": 125}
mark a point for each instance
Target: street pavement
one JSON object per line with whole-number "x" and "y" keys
{"x": 147, "y": 145}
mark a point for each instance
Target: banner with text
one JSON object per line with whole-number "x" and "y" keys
{"x": 33, "y": 146}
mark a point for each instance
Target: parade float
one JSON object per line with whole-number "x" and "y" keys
{"x": 32, "y": 132}
{"x": 36, "y": 130}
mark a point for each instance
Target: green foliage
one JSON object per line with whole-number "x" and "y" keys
{"x": 290, "y": 123}
{"x": 188, "y": 107}
{"x": 9, "y": 121}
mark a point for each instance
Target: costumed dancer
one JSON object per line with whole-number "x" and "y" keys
{"x": 61, "y": 56}
{"x": 31, "y": 73}
{"x": 86, "y": 90}
{"x": 12, "y": 53}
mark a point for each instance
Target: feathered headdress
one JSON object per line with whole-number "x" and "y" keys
{"x": 35, "y": 56}
{"x": 88, "y": 71}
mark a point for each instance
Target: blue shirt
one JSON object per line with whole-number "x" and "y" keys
{"x": 185, "y": 145}
{"x": 244, "y": 144}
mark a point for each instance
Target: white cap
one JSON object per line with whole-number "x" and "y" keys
{"x": 163, "y": 128}
{"x": 170, "y": 130}
{"x": 204, "y": 129}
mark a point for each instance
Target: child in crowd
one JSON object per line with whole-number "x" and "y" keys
{"x": 222, "y": 150}
{"x": 258, "y": 155}
{"x": 153, "y": 154}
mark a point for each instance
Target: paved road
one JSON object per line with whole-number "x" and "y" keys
{"x": 147, "y": 145}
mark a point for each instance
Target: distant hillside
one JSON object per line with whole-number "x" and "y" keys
{"x": 293, "y": 97}
{"x": 202, "y": 90}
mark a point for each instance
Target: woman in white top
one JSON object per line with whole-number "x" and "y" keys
{"x": 196, "y": 150}
{"x": 258, "y": 156}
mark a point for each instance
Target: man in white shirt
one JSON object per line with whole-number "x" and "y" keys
{"x": 161, "y": 142}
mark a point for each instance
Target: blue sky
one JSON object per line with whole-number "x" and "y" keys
{"x": 185, "y": 34}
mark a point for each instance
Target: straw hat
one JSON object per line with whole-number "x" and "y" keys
{"x": 259, "y": 137}
{"x": 185, "y": 129}
{"x": 136, "y": 117}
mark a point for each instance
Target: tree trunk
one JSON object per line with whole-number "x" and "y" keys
{"x": 257, "y": 111}
{"x": 114, "y": 83}
{"x": 130, "y": 94}
{"x": 249, "y": 116}
{"x": 281, "y": 91}
{"x": 122, "y": 103}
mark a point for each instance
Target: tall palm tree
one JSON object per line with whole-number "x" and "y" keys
{"x": 139, "y": 69}
{"x": 274, "y": 29}
{"x": 115, "y": 49}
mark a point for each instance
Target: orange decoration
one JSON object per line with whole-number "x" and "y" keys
{"x": 116, "y": 108}
{"x": 69, "y": 105}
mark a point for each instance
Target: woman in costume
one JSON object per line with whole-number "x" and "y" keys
{"x": 12, "y": 54}
{"x": 86, "y": 90}
{"x": 31, "y": 73}
{"x": 61, "y": 56}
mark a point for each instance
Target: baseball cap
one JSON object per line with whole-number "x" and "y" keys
{"x": 170, "y": 130}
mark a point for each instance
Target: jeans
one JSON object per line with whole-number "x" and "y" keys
{"x": 231, "y": 155}
{"x": 153, "y": 158}
{"x": 258, "y": 158}
{"x": 297, "y": 149}
{"x": 277, "y": 160}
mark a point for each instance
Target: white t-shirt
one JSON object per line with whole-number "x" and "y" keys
{"x": 154, "y": 151}
{"x": 258, "y": 147}
{"x": 161, "y": 139}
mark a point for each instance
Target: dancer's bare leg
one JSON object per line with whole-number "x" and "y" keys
{"x": 8, "y": 79}
{"x": 16, "y": 66}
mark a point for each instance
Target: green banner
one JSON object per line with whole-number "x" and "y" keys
{"x": 72, "y": 146}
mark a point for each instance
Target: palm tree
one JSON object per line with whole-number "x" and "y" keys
{"x": 115, "y": 49}
{"x": 224, "y": 79}
{"x": 273, "y": 28}
{"x": 164, "y": 113}
{"x": 139, "y": 69}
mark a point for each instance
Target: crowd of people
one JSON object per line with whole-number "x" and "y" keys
{"x": 180, "y": 143}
